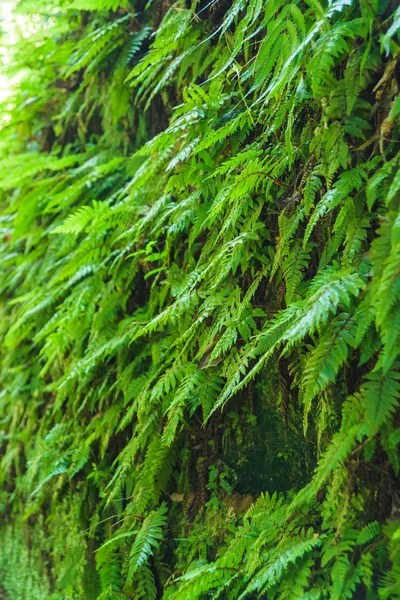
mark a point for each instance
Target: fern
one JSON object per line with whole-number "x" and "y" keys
{"x": 381, "y": 394}
{"x": 199, "y": 333}
{"x": 147, "y": 539}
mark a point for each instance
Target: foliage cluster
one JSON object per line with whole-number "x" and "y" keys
{"x": 200, "y": 301}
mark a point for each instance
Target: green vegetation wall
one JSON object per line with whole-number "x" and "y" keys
{"x": 200, "y": 301}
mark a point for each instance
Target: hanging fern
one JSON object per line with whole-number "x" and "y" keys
{"x": 200, "y": 300}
